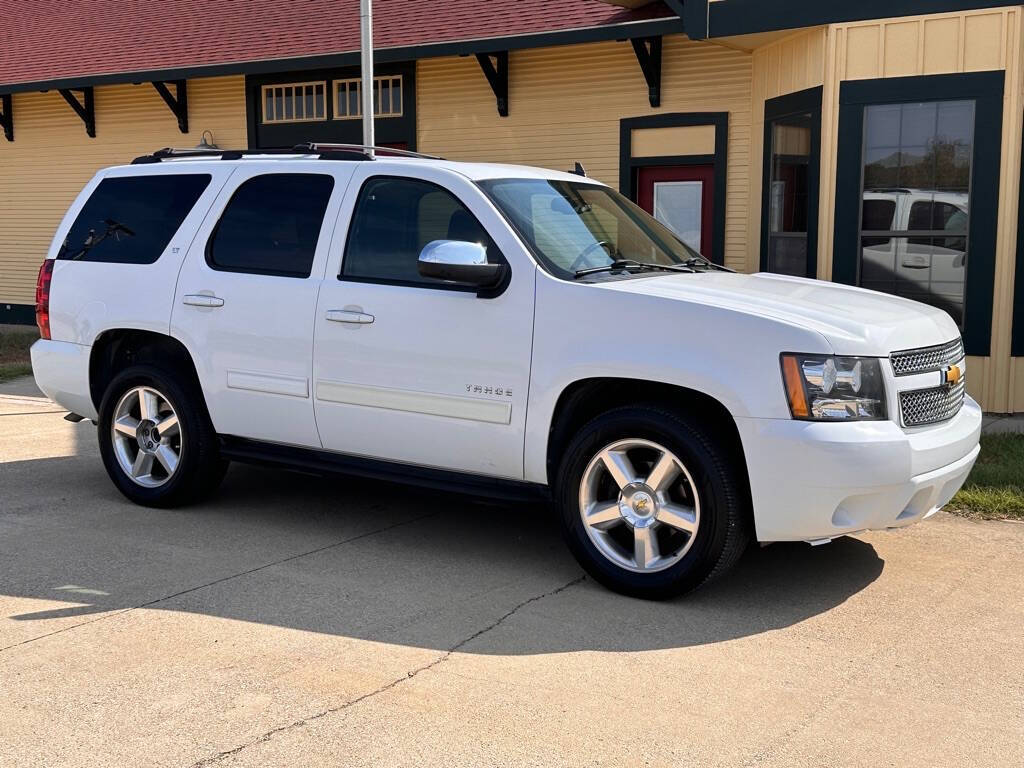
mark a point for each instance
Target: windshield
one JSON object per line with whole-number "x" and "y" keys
{"x": 574, "y": 226}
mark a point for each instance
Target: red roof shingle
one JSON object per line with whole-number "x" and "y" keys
{"x": 48, "y": 40}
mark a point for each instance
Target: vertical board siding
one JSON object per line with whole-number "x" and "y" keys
{"x": 565, "y": 104}
{"x": 972, "y": 41}
{"x": 51, "y": 158}
{"x": 793, "y": 64}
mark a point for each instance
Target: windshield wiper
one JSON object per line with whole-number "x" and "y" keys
{"x": 629, "y": 264}
{"x": 701, "y": 261}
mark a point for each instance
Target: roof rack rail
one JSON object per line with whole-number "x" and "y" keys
{"x": 313, "y": 147}
{"x": 354, "y": 152}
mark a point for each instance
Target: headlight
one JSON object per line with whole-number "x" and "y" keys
{"x": 827, "y": 388}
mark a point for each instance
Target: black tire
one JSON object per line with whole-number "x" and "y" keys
{"x": 201, "y": 467}
{"x": 718, "y": 476}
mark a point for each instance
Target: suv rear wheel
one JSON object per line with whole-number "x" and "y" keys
{"x": 156, "y": 440}
{"x": 650, "y": 503}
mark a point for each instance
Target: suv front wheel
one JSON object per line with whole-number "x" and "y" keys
{"x": 651, "y": 503}
{"x": 156, "y": 440}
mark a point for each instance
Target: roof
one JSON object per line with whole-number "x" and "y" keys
{"x": 63, "y": 43}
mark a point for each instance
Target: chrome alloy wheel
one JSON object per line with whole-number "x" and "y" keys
{"x": 146, "y": 437}
{"x": 639, "y": 505}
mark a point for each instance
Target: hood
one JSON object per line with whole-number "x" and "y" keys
{"x": 853, "y": 320}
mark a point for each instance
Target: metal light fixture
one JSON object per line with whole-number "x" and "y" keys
{"x": 204, "y": 144}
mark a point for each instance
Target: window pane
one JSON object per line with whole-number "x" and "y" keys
{"x": 279, "y": 103}
{"x": 384, "y": 98}
{"x": 787, "y": 254}
{"x": 396, "y": 96}
{"x": 353, "y": 100}
{"x": 791, "y": 155}
{"x": 678, "y": 205}
{"x": 395, "y": 218}
{"x": 131, "y": 220}
{"x": 309, "y": 111}
{"x": 268, "y": 105}
{"x": 320, "y": 111}
{"x": 272, "y": 224}
{"x": 918, "y": 182}
{"x": 289, "y": 101}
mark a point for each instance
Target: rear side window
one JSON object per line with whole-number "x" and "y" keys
{"x": 394, "y": 219}
{"x": 271, "y": 225}
{"x": 130, "y": 220}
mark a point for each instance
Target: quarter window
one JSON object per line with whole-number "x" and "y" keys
{"x": 394, "y": 218}
{"x": 271, "y": 225}
{"x": 294, "y": 102}
{"x": 387, "y": 97}
{"x": 130, "y": 220}
{"x": 917, "y": 201}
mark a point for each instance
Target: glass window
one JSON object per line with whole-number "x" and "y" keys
{"x": 130, "y": 220}
{"x": 294, "y": 102}
{"x": 789, "y": 194}
{"x": 387, "y": 97}
{"x": 916, "y": 201}
{"x": 271, "y": 225}
{"x": 577, "y": 225}
{"x": 394, "y": 219}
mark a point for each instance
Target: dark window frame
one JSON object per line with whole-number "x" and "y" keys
{"x": 791, "y": 105}
{"x": 488, "y": 293}
{"x": 208, "y": 249}
{"x": 986, "y": 90}
{"x": 629, "y": 165}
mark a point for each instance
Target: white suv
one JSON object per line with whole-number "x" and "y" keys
{"x": 496, "y": 329}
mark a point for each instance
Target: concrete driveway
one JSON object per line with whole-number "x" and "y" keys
{"x": 298, "y": 620}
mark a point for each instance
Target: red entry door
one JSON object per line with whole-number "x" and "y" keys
{"x": 682, "y": 198}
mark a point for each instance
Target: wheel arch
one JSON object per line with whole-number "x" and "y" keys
{"x": 118, "y": 348}
{"x": 585, "y": 399}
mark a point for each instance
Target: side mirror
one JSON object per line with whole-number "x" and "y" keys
{"x": 460, "y": 262}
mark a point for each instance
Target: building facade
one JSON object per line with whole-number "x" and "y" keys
{"x": 869, "y": 143}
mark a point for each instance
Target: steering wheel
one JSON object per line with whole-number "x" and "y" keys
{"x": 586, "y": 252}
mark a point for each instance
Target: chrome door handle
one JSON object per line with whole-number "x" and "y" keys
{"x": 347, "y": 316}
{"x": 202, "y": 300}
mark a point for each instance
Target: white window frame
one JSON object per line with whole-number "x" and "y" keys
{"x": 355, "y": 84}
{"x": 297, "y": 100}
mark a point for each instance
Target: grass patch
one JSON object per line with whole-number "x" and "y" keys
{"x": 14, "y": 345}
{"x": 995, "y": 488}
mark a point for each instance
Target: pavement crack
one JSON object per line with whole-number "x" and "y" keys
{"x": 214, "y": 582}
{"x": 409, "y": 675}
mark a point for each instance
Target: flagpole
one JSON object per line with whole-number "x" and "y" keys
{"x": 366, "y": 46}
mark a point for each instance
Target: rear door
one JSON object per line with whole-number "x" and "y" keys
{"x": 247, "y": 292}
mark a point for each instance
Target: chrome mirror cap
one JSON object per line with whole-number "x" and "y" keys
{"x": 459, "y": 261}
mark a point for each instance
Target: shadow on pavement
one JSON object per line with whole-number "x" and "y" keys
{"x": 371, "y": 561}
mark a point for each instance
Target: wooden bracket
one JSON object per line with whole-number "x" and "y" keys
{"x": 85, "y": 109}
{"x": 648, "y": 54}
{"x": 177, "y": 103}
{"x": 495, "y": 67}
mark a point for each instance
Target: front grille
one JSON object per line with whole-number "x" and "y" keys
{"x": 925, "y": 359}
{"x": 928, "y": 406}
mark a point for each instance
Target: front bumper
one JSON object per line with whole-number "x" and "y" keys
{"x": 812, "y": 481}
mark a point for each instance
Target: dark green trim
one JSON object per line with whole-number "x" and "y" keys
{"x": 1017, "y": 335}
{"x": 627, "y": 31}
{"x": 742, "y": 17}
{"x": 7, "y": 116}
{"x": 789, "y": 105}
{"x": 17, "y": 314}
{"x": 986, "y": 89}
{"x": 387, "y": 130}
{"x": 628, "y": 164}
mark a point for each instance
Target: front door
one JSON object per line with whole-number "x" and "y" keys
{"x": 413, "y": 369}
{"x": 682, "y": 198}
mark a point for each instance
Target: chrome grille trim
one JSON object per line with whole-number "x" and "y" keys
{"x": 924, "y": 359}
{"x": 930, "y": 406}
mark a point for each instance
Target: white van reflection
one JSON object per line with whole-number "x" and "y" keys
{"x": 915, "y": 245}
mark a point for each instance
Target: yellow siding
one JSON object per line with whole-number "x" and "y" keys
{"x": 929, "y": 45}
{"x": 792, "y": 64}
{"x": 52, "y": 158}
{"x": 679, "y": 140}
{"x": 565, "y": 105}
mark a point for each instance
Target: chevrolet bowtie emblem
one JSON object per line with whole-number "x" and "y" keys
{"x": 951, "y": 374}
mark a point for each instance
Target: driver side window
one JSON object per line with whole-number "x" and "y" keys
{"x": 393, "y": 219}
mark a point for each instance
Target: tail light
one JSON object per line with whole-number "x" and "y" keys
{"x": 43, "y": 298}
